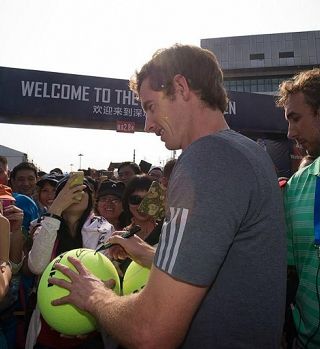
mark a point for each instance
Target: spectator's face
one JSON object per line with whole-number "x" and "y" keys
{"x": 24, "y": 182}
{"x": 155, "y": 174}
{"x": 134, "y": 201}
{"x": 125, "y": 173}
{"x": 303, "y": 123}
{"x": 4, "y": 174}
{"x": 47, "y": 194}
{"x": 109, "y": 207}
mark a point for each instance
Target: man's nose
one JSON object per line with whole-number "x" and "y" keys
{"x": 25, "y": 181}
{"x": 149, "y": 125}
{"x": 292, "y": 133}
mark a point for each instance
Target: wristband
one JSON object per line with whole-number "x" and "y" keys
{"x": 52, "y": 215}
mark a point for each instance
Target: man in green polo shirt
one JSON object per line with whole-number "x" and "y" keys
{"x": 300, "y": 98}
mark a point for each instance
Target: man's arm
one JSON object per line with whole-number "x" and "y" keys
{"x": 157, "y": 317}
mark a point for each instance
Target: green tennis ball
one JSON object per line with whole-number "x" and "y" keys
{"x": 68, "y": 319}
{"x": 135, "y": 278}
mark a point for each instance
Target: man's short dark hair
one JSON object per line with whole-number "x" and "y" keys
{"x": 23, "y": 166}
{"x": 307, "y": 82}
{"x": 136, "y": 169}
{"x": 199, "y": 67}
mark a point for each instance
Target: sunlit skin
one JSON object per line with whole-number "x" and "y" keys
{"x": 24, "y": 182}
{"x": 163, "y": 116}
{"x": 173, "y": 117}
{"x": 303, "y": 123}
{"x": 47, "y": 194}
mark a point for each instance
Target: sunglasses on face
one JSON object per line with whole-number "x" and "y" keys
{"x": 135, "y": 199}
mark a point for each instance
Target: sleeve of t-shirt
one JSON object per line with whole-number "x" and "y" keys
{"x": 206, "y": 205}
{"x": 30, "y": 210}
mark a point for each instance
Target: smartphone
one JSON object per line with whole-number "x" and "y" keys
{"x": 77, "y": 178}
{"x": 5, "y": 203}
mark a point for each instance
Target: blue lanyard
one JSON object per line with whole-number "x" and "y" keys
{"x": 317, "y": 214}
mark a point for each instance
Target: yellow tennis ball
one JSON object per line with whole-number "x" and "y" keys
{"x": 67, "y": 318}
{"x": 135, "y": 278}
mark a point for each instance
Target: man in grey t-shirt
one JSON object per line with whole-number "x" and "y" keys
{"x": 219, "y": 273}
{"x": 222, "y": 232}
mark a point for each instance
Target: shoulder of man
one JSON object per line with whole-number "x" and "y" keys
{"x": 23, "y": 200}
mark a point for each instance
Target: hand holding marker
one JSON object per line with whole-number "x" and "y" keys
{"x": 125, "y": 235}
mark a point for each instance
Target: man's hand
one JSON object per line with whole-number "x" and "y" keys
{"x": 134, "y": 248}
{"x": 83, "y": 286}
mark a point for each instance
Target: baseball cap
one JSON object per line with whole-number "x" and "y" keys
{"x": 47, "y": 178}
{"x": 109, "y": 187}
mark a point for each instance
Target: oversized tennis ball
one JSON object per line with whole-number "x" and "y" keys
{"x": 135, "y": 278}
{"x": 67, "y": 318}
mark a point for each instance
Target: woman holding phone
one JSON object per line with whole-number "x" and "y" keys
{"x": 68, "y": 224}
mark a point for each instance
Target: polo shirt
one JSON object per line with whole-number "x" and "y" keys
{"x": 299, "y": 199}
{"x": 29, "y": 208}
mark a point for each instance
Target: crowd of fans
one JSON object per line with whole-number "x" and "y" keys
{"x": 43, "y": 216}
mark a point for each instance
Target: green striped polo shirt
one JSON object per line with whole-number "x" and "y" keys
{"x": 299, "y": 198}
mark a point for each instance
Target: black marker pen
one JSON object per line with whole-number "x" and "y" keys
{"x": 125, "y": 235}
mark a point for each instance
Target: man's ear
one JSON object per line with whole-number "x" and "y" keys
{"x": 181, "y": 86}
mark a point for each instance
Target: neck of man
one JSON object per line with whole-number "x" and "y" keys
{"x": 205, "y": 123}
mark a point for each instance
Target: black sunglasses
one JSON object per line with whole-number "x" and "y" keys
{"x": 135, "y": 199}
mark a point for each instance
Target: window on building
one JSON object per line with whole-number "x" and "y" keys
{"x": 256, "y": 56}
{"x": 288, "y": 54}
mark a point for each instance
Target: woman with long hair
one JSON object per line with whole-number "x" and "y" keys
{"x": 68, "y": 224}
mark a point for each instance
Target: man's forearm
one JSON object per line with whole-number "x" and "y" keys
{"x": 121, "y": 317}
{"x": 147, "y": 258}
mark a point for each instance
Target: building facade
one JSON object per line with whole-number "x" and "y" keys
{"x": 258, "y": 63}
{"x": 13, "y": 156}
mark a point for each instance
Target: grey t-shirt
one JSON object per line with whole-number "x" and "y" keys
{"x": 224, "y": 229}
